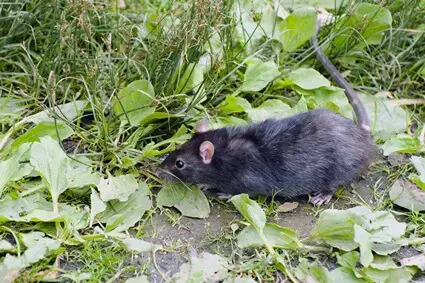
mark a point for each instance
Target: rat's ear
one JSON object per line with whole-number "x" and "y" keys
{"x": 206, "y": 151}
{"x": 201, "y": 126}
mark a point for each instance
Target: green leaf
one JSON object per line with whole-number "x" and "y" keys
{"x": 191, "y": 79}
{"x": 369, "y": 22}
{"x": 419, "y": 163}
{"x": 271, "y": 108}
{"x": 417, "y": 260}
{"x": 68, "y": 111}
{"x": 190, "y": 201}
{"x": 128, "y": 212}
{"x": 11, "y": 108}
{"x": 33, "y": 208}
{"x": 297, "y": 28}
{"x": 234, "y": 104}
{"x": 280, "y": 237}
{"x": 139, "y": 279}
{"x": 402, "y": 143}
{"x": 407, "y": 195}
{"x": 346, "y": 275}
{"x": 336, "y": 228}
{"x": 250, "y": 210}
{"x": 203, "y": 268}
{"x": 363, "y": 238}
{"x": 312, "y": 272}
{"x": 53, "y": 165}
{"x": 133, "y": 101}
{"x": 120, "y": 187}
{"x": 5, "y": 246}
{"x": 349, "y": 259}
{"x": 37, "y": 247}
{"x": 9, "y": 170}
{"x": 137, "y": 245}
{"x": 240, "y": 280}
{"x": 308, "y": 78}
{"x": 386, "y": 118}
{"x": 259, "y": 74}
{"x": 327, "y": 4}
{"x": 44, "y": 128}
{"x": 97, "y": 205}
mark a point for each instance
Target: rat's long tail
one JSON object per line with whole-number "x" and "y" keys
{"x": 359, "y": 109}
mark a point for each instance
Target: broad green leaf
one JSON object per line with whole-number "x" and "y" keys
{"x": 419, "y": 163}
{"x": 327, "y": 4}
{"x": 137, "y": 245}
{"x": 120, "y": 187}
{"x": 300, "y": 107}
{"x": 280, "y": 237}
{"x": 37, "y": 247}
{"x": 128, "y": 212}
{"x": 190, "y": 201}
{"x": 53, "y": 165}
{"x": 82, "y": 175}
{"x": 407, "y": 195}
{"x": 363, "y": 239}
{"x": 44, "y": 128}
{"x": 383, "y": 263}
{"x": 155, "y": 117}
{"x": 308, "y": 78}
{"x": 11, "y": 108}
{"x": 33, "y": 208}
{"x": 369, "y": 22}
{"x": 336, "y": 228}
{"x": 331, "y": 98}
{"x": 250, "y": 210}
{"x": 402, "y": 143}
{"x": 312, "y": 272}
{"x": 348, "y": 259}
{"x": 259, "y": 74}
{"x": 240, "y": 280}
{"x": 234, "y": 104}
{"x": 191, "y": 79}
{"x": 5, "y": 246}
{"x": 9, "y": 170}
{"x": 220, "y": 122}
{"x": 386, "y": 118}
{"x": 133, "y": 102}
{"x": 398, "y": 275}
{"x": 203, "y": 268}
{"x": 68, "y": 111}
{"x": 97, "y": 205}
{"x": 139, "y": 279}
{"x": 297, "y": 28}
{"x": 271, "y": 108}
{"x": 417, "y": 260}
{"x": 77, "y": 276}
{"x": 346, "y": 275}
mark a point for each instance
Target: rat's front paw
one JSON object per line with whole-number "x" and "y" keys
{"x": 204, "y": 187}
{"x": 224, "y": 196}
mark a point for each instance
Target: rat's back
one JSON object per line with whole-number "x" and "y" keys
{"x": 315, "y": 151}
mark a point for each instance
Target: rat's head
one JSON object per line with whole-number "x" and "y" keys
{"x": 191, "y": 161}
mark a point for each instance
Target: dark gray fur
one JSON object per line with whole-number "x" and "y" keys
{"x": 312, "y": 152}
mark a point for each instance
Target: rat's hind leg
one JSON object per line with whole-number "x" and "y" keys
{"x": 320, "y": 198}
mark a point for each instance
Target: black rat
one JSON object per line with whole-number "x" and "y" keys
{"x": 314, "y": 152}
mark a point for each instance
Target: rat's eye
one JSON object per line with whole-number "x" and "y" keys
{"x": 179, "y": 164}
